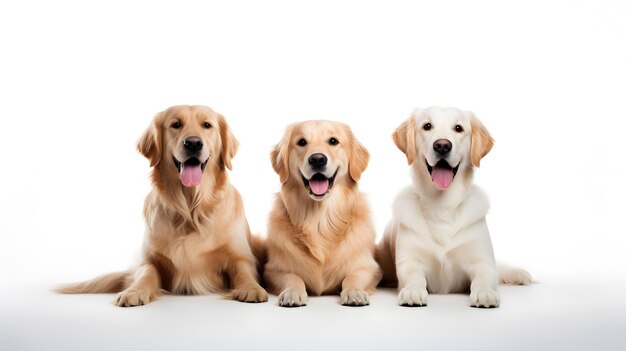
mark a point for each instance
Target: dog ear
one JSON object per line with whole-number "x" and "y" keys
{"x": 482, "y": 142}
{"x": 280, "y": 156}
{"x": 404, "y": 138}
{"x": 230, "y": 145}
{"x": 359, "y": 157}
{"x": 150, "y": 143}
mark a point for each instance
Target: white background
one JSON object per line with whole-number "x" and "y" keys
{"x": 80, "y": 81}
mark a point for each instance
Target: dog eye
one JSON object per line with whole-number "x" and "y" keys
{"x": 458, "y": 128}
{"x": 176, "y": 125}
{"x": 207, "y": 125}
{"x": 302, "y": 142}
{"x": 333, "y": 141}
{"x": 428, "y": 126}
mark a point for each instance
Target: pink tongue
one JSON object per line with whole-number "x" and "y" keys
{"x": 442, "y": 177}
{"x": 191, "y": 175}
{"x": 319, "y": 187}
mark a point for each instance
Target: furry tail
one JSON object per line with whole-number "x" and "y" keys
{"x": 514, "y": 276}
{"x": 106, "y": 283}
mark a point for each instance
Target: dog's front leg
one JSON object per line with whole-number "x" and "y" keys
{"x": 411, "y": 283}
{"x": 245, "y": 284}
{"x": 484, "y": 286}
{"x": 143, "y": 289}
{"x": 355, "y": 284}
{"x": 410, "y": 269}
{"x": 292, "y": 288}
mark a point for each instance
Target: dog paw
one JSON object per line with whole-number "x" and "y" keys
{"x": 484, "y": 298}
{"x": 354, "y": 297}
{"x": 249, "y": 294}
{"x": 132, "y": 297}
{"x": 292, "y": 298}
{"x": 411, "y": 296}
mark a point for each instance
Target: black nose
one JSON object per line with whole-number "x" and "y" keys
{"x": 192, "y": 144}
{"x": 442, "y": 146}
{"x": 318, "y": 160}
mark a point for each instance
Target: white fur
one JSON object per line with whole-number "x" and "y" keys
{"x": 439, "y": 239}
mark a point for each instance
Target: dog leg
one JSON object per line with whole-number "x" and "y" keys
{"x": 354, "y": 286}
{"x": 484, "y": 286}
{"x": 411, "y": 283}
{"x": 292, "y": 288}
{"x": 143, "y": 289}
{"x": 245, "y": 284}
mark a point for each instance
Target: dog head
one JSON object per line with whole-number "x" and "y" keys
{"x": 317, "y": 155}
{"x": 442, "y": 141}
{"x": 186, "y": 140}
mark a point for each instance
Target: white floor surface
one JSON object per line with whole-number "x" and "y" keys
{"x": 545, "y": 316}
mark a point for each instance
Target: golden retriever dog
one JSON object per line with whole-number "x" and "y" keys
{"x": 197, "y": 238}
{"x": 437, "y": 240}
{"x": 320, "y": 236}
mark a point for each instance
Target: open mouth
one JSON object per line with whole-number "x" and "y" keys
{"x": 190, "y": 171}
{"x": 319, "y": 185}
{"x": 442, "y": 174}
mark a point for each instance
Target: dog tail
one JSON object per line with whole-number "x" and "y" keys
{"x": 106, "y": 283}
{"x": 514, "y": 276}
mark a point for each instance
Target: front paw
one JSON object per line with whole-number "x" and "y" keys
{"x": 132, "y": 297}
{"x": 354, "y": 297}
{"x": 250, "y": 294}
{"x": 484, "y": 298}
{"x": 411, "y": 296}
{"x": 292, "y": 298}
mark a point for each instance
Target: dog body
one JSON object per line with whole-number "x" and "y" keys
{"x": 320, "y": 235}
{"x": 197, "y": 238}
{"x": 437, "y": 240}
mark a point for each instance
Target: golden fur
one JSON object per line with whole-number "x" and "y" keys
{"x": 320, "y": 244}
{"x": 197, "y": 238}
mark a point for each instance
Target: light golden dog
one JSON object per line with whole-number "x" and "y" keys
{"x": 197, "y": 238}
{"x": 438, "y": 240}
{"x": 320, "y": 236}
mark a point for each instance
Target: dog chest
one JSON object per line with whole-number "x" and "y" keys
{"x": 440, "y": 249}
{"x": 185, "y": 266}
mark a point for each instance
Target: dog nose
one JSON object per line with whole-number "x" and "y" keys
{"x": 192, "y": 143}
{"x": 442, "y": 146}
{"x": 318, "y": 160}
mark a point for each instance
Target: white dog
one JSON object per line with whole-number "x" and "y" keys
{"x": 437, "y": 240}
